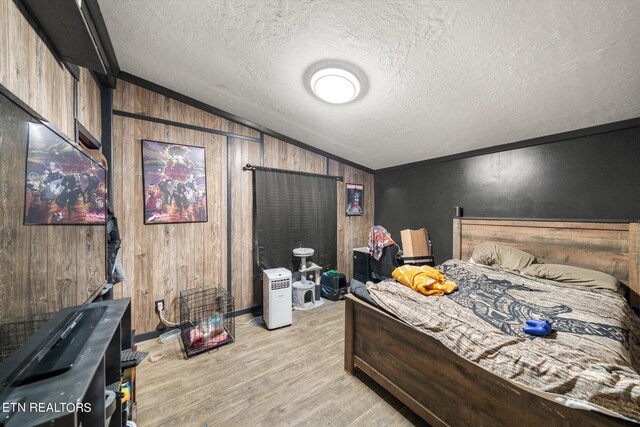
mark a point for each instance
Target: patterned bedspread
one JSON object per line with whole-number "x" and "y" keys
{"x": 591, "y": 361}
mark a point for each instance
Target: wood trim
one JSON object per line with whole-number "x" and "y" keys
{"x": 456, "y": 248}
{"x": 229, "y": 214}
{"x": 587, "y": 225}
{"x": 634, "y": 263}
{"x": 182, "y": 125}
{"x": 348, "y": 334}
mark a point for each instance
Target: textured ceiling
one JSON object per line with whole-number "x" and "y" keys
{"x": 444, "y": 76}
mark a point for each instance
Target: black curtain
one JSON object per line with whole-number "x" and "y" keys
{"x": 293, "y": 210}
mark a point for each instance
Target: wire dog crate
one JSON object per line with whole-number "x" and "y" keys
{"x": 206, "y": 319}
{"x": 16, "y": 332}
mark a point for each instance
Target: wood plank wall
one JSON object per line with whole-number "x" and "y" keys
{"x": 280, "y": 155}
{"x": 242, "y": 152}
{"x": 353, "y": 231}
{"x": 42, "y": 268}
{"x": 89, "y": 112}
{"x": 162, "y": 260}
{"x": 147, "y": 280}
{"x": 31, "y": 72}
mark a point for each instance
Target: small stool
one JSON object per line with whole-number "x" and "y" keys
{"x": 303, "y": 295}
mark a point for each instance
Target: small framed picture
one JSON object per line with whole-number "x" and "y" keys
{"x": 175, "y": 183}
{"x": 354, "y": 199}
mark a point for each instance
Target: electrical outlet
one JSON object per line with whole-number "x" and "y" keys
{"x": 159, "y": 305}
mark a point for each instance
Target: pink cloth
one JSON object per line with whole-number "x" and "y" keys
{"x": 197, "y": 339}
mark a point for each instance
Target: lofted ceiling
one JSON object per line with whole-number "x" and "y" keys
{"x": 444, "y": 77}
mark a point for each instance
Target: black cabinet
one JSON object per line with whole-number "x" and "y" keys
{"x": 361, "y": 264}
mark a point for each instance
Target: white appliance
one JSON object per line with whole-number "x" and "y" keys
{"x": 276, "y": 291}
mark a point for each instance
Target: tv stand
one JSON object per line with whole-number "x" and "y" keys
{"x": 67, "y": 387}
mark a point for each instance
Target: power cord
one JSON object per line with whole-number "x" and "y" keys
{"x": 165, "y": 321}
{"x": 260, "y": 318}
{"x": 172, "y": 324}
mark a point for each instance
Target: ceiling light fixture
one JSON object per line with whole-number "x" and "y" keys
{"x": 335, "y": 85}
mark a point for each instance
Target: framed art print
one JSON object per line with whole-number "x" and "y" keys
{"x": 63, "y": 184}
{"x": 354, "y": 199}
{"x": 174, "y": 182}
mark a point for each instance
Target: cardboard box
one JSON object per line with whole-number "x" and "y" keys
{"x": 415, "y": 243}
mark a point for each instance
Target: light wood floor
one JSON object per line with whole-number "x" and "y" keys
{"x": 288, "y": 376}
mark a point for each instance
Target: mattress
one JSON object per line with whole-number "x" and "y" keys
{"x": 591, "y": 361}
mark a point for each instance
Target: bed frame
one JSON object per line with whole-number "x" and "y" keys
{"x": 444, "y": 388}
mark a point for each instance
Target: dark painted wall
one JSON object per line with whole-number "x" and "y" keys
{"x": 595, "y": 176}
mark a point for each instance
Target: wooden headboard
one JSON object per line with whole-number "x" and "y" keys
{"x": 610, "y": 247}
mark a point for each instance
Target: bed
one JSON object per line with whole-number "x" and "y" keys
{"x": 447, "y": 389}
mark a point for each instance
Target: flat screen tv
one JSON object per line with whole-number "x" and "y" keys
{"x": 51, "y": 273}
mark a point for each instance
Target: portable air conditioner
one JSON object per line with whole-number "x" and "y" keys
{"x": 276, "y": 293}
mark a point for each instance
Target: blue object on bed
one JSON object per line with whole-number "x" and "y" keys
{"x": 539, "y": 328}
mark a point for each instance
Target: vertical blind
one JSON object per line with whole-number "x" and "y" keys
{"x": 293, "y": 210}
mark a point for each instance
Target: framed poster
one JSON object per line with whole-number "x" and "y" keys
{"x": 174, "y": 182}
{"x": 63, "y": 184}
{"x": 354, "y": 199}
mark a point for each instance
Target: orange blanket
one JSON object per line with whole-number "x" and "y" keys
{"x": 426, "y": 280}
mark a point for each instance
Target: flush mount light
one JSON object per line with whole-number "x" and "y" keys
{"x": 335, "y": 85}
{"x": 335, "y": 82}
